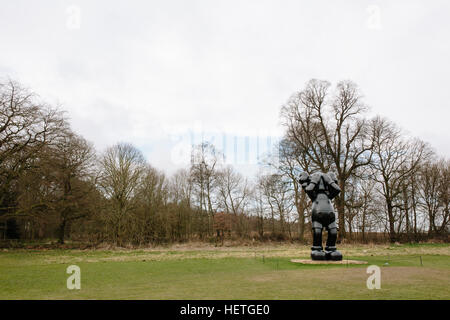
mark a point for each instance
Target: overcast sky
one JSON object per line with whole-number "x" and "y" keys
{"x": 158, "y": 73}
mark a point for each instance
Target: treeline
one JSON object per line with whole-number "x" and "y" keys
{"x": 53, "y": 184}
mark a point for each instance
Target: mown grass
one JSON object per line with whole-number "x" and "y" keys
{"x": 225, "y": 273}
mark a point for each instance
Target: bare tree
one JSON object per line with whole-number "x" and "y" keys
{"x": 26, "y": 126}
{"x": 181, "y": 187}
{"x": 205, "y": 160}
{"x": 122, "y": 170}
{"x": 180, "y": 195}
{"x": 395, "y": 160}
{"x": 368, "y": 208}
{"x": 277, "y": 196}
{"x": 257, "y": 197}
{"x": 233, "y": 194}
{"x": 233, "y": 190}
{"x": 330, "y": 132}
{"x": 150, "y": 218}
{"x": 434, "y": 194}
{"x": 72, "y": 161}
{"x": 291, "y": 161}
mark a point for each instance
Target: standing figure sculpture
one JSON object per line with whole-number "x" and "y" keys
{"x": 321, "y": 188}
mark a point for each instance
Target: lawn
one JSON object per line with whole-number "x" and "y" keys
{"x": 204, "y": 272}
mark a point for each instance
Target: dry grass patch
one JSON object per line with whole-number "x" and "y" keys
{"x": 205, "y": 251}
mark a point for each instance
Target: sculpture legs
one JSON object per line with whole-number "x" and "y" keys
{"x": 330, "y": 253}
{"x": 317, "y": 252}
{"x": 332, "y": 236}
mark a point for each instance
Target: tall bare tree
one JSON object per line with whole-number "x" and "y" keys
{"x": 233, "y": 190}
{"x": 435, "y": 194}
{"x": 122, "y": 170}
{"x": 330, "y": 131}
{"x": 152, "y": 196}
{"x": 395, "y": 160}
{"x": 181, "y": 187}
{"x": 26, "y": 126}
{"x": 277, "y": 197}
{"x": 291, "y": 161}
{"x": 233, "y": 194}
{"x": 205, "y": 160}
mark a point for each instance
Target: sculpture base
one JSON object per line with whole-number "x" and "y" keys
{"x": 307, "y": 261}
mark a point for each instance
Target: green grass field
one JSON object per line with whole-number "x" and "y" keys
{"x": 204, "y": 272}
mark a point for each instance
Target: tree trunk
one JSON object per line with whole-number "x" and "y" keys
{"x": 61, "y": 231}
{"x": 392, "y": 235}
{"x": 363, "y": 227}
{"x": 414, "y": 205}
{"x": 350, "y": 230}
{"x": 301, "y": 206}
{"x": 341, "y": 210}
{"x": 405, "y": 203}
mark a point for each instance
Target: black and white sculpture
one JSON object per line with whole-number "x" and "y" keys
{"x": 321, "y": 188}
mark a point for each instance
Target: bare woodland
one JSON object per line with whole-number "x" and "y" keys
{"x": 55, "y": 185}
